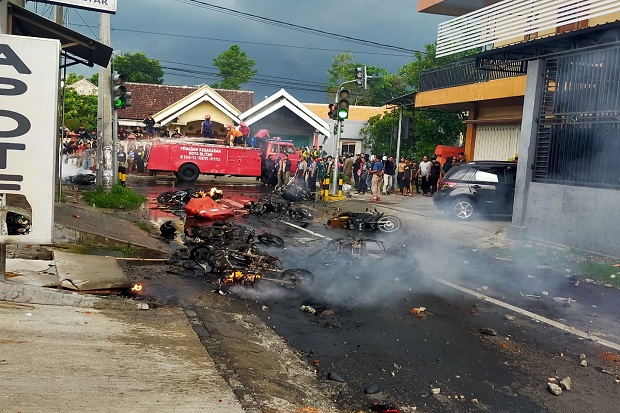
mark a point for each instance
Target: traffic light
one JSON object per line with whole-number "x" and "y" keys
{"x": 343, "y": 104}
{"x": 333, "y": 113}
{"x": 361, "y": 77}
{"x": 121, "y": 97}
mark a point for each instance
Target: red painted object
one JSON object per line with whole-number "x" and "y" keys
{"x": 188, "y": 160}
{"x": 207, "y": 208}
{"x": 384, "y": 407}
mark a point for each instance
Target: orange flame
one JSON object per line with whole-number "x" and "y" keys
{"x": 240, "y": 277}
{"x": 137, "y": 288}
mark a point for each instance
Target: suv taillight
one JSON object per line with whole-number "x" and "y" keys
{"x": 448, "y": 184}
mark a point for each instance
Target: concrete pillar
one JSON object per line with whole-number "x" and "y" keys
{"x": 470, "y": 133}
{"x": 527, "y": 144}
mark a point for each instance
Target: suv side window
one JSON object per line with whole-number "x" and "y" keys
{"x": 460, "y": 173}
{"x": 491, "y": 174}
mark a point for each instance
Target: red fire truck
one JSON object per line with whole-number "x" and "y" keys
{"x": 189, "y": 160}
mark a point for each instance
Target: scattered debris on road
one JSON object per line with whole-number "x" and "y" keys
{"x": 565, "y": 383}
{"x": 417, "y": 310}
{"x": 372, "y": 389}
{"x": 435, "y": 390}
{"x": 554, "y": 389}
{"x": 510, "y": 317}
{"x": 488, "y": 331}
{"x": 332, "y": 375}
{"x": 308, "y": 309}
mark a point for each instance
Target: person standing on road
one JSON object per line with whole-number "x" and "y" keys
{"x": 206, "y": 127}
{"x": 377, "y": 179}
{"x": 286, "y": 169}
{"x": 356, "y": 168}
{"x": 447, "y": 165}
{"x": 312, "y": 169}
{"x": 300, "y": 173}
{"x": 415, "y": 178}
{"x": 388, "y": 174}
{"x": 362, "y": 175}
{"x": 425, "y": 172}
{"x": 404, "y": 183}
{"x": 347, "y": 169}
{"x": 435, "y": 174}
{"x": 400, "y": 173}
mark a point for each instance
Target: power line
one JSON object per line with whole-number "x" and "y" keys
{"x": 258, "y": 76}
{"x": 201, "y": 74}
{"x": 296, "y": 27}
{"x": 215, "y": 39}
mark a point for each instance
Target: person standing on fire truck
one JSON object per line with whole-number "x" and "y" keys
{"x": 206, "y": 127}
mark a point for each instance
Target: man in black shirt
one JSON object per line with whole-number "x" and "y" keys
{"x": 389, "y": 168}
{"x": 356, "y": 168}
{"x": 435, "y": 174}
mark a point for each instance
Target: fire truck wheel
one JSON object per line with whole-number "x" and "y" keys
{"x": 188, "y": 172}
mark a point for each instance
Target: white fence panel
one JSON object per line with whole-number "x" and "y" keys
{"x": 514, "y": 19}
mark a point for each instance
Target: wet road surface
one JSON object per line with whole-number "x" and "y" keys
{"x": 373, "y": 338}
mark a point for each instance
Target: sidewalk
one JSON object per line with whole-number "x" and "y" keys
{"x": 66, "y": 359}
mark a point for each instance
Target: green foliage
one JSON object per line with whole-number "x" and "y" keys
{"x": 236, "y": 68}
{"x": 427, "y": 129}
{"x": 432, "y": 127}
{"x": 383, "y": 86}
{"x": 94, "y": 79}
{"x": 72, "y": 78}
{"x": 119, "y": 197}
{"x": 80, "y": 110}
{"x": 139, "y": 68}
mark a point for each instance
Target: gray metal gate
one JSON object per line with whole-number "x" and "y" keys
{"x": 579, "y": 126}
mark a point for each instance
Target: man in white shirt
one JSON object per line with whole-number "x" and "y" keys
{"x": 425, "y": 171}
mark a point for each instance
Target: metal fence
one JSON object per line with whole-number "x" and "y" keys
{"x": 578, "y": 140}
{"x": 464, "y": 72}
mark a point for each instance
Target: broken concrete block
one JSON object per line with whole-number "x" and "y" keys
{"x": 584, "y": 363}
{"x": 565, "y": 383}
{"x": 488, "y": 331}
{"x": 510, "y": 317}
{"x": 435, "y": 390}
{"x": 554, "y": 389}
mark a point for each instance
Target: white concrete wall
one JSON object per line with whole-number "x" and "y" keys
{"x": 585, "y": 218}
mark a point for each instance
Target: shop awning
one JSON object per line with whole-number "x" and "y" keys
{"x": 75, "y": 46}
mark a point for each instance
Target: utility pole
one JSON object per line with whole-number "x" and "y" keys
{"x": 105, "y": 172}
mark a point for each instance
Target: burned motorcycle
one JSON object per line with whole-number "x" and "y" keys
{"x": 365, "y": 221}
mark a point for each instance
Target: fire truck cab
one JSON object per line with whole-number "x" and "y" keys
{"x": 190, "y": 160}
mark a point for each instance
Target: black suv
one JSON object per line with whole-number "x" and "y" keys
{"x": 486, "y": 187}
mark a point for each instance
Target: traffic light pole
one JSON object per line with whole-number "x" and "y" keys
{"x": 105, "y": 172}
{"x": 333, "y": 190}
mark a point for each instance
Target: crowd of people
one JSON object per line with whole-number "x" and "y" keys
{"x": 379, "y": 175}
{"x": 79, "y": 147}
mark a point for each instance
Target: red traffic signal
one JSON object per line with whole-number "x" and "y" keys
{"x": 333, "y": 113}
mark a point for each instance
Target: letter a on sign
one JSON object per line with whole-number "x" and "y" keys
{"x": 28, "y": 132}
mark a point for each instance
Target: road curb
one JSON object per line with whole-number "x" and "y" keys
{"x": 28, "y": 294}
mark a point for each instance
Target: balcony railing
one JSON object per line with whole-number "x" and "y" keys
{"x": 464, "y": 72}
{"x": 511, "y": 20}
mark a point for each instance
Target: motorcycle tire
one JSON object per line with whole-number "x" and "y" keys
{"x": 203, "y": 256}
{"x": 388, "y": 223}
{"x": 270, "y": 239}
{"x": 259, "y": 208}
{"x": 300, "y": 215}
{"x": 165, "y": 197}
{"x": 297, "y": 277}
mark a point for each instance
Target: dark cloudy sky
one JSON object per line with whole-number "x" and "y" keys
{"x": 195, "y": 34}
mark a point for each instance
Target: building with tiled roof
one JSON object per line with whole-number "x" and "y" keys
{"x": 150, "y": 99}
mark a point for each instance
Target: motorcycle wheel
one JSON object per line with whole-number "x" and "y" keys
{"x": 270, "y": 239}
{"x": 165, "y": 197}
{"x": 300, "y": 215}
{"x": 259, "y": 208}
{"x": 297, "y": 277}
{"x": 388, "y": 223}
{"x": 203, "y": 256}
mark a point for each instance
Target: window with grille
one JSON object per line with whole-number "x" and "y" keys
{"x": 578, "y": 139}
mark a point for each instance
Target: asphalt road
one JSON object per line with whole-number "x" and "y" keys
{"x": 373, "y": 338}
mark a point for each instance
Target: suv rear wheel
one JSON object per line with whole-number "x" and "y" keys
{"x": 463, "y": 208}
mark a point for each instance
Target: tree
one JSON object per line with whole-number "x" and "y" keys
{"x": 80, "y": 110}
{"x": 72, "y": 78}
{"x": 236, "y": 68}
{"x": 383, "y": 86}
{"x": 94, "y": 79}
{"x": 138, "y": 68}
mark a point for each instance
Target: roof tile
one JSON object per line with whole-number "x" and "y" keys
{"x": 150, "y": 99}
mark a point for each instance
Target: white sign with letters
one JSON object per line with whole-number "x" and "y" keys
{"x": 105, "y": 6}
{"x": 28, "y": 128}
